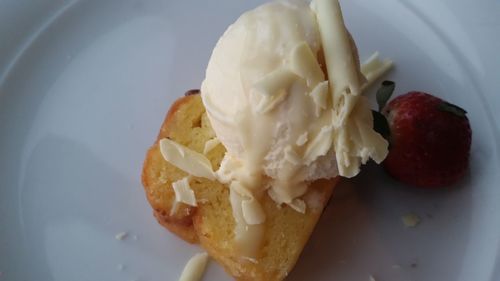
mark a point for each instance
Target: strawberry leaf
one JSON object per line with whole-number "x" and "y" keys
{"x": 451, "y": 108}
{"x": 384, "y": 93}
{"x": 380, "y": 124}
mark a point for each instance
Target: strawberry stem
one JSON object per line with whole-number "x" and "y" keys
{"x": 384, "y": 93}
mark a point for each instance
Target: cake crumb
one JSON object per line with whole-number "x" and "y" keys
{"x": 121, "y": 235}
{"x": 411, "y": 220}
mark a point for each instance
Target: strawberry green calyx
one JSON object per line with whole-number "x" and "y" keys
{"x": 380, "y": 125}
{"x": 451, "y": 108}
{"x": 384, "y": 93}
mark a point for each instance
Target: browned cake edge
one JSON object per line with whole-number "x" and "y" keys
{"x": 189, "y": 225}
{"x": 248, "y": 271}
{"x": 183, "y": 226}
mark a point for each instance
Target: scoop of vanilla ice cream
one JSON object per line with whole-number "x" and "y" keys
{"x": 282, "y": 122}
{"x": 265, "y": 94}
{"x": 258, "y": 43}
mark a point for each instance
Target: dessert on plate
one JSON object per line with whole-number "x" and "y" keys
{"x": 245, "y": 166}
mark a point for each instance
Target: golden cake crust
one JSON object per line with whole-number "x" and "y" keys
{"x": 211, "y": 223}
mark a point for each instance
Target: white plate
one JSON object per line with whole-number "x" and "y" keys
{"x": 84, "y": 87}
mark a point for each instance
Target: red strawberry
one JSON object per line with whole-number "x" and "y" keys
{"x": 429, "y": 140}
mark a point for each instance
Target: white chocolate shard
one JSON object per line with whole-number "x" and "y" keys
{"x": 186, "y": 159}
